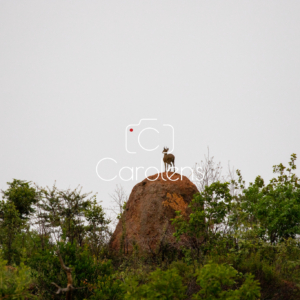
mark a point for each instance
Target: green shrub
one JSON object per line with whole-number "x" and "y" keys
{"x": 108, "y": 286}
{"x": 85, "y": 270}
{"x": 216, "y": 280}
{"x": 164, "y": 285}
{"x": 184, "y": 270}
{"x": 15, "y": 282}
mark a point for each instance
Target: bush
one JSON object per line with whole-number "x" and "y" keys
{"x": 85, "y": 270}
{"x": 108, "y": 286}
{"x": 164, "y": 285}
{"x": 216, "y": 280}
{"x": 15, "y": 282}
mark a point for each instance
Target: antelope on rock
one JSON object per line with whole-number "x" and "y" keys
{"x": 169, "y": 159}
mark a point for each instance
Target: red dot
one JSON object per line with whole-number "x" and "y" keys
{"x": 130, "y": 129}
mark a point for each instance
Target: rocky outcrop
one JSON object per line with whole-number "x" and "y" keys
{"x": 151, "y": 205}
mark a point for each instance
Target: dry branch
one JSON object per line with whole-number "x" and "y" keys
{"x": 68, "y": 271}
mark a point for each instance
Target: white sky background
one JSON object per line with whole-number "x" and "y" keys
{"x": 74, "y": 74}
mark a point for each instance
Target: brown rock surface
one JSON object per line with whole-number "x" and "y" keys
{"x": 151, "y": 205}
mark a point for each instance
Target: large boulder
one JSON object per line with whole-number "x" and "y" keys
{"x": 151, "y": 205}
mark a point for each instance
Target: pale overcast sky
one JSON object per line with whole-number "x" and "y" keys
{"x": 75, "y": 74}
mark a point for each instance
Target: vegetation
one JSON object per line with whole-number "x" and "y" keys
{"x": 238, "y": 243}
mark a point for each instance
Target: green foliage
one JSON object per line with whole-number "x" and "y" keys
{"x": 15, "y": 282}
{"x": 48, "y": 269}
{"x": 216, "y": 280}
{"x": 10, "y": 227}
{"x": 65, "y": 210}
{"x": 108, "y": 286}
{"x": 22, "y": 195}
{"x": 74, "y": 217}
{"x": 209, "y": 209}
{"x": 238, "y": 243}
{"x": 185, "y": 271}
{"x": 254, "y": 229}
{"x": 122, "y": 218}
{"x": 271, "y": 264}
{"x": 165, "y": 285}
{"x": 96, "y": 228}
{"x": 272, "y": 210}
{"x": 15, "y": 208}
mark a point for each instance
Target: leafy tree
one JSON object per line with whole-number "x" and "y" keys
{"x": 10, "y": 227}
{"x": 85, "y": 269}
{"x": 62, "y": 213}
{"x": 22, "y": 195}
{"x": 76, "y": 224}
{"x": 272, "y": 210}
{"x": 209, "y": 211}
{"x": 97, "y": 227}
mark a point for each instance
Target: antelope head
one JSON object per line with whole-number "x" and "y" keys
{"x": 165, "y": 150}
